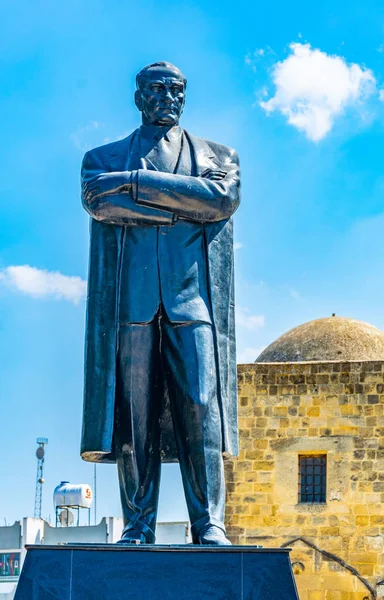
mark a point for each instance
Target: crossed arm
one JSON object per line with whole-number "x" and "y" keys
{"x": 146, "y": 197}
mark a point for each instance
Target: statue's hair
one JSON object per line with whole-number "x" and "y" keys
{"x": 142, "y": 74}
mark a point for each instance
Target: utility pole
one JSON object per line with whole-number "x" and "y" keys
{"x": 95, "y": 491}
{"x": 40, "y": 452}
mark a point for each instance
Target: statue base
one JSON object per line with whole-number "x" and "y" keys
{"x": 147, "y": 572}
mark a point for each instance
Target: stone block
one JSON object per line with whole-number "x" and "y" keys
{"x": 155, "y": 573}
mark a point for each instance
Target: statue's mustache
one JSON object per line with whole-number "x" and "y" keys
{"x": 167, "y": 105}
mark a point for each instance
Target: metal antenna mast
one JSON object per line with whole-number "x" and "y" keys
{"x": 39, "y": 476}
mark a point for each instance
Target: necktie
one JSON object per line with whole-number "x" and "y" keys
{"x": 164, "y": 155}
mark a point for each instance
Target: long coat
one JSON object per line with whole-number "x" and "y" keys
{"x": 160, "y": 198}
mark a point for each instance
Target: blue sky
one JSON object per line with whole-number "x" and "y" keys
{"x": 295, "y": 88}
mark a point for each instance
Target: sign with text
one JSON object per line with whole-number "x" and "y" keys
{"x": 9, "y": 564}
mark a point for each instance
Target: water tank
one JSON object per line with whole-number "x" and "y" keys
{"x": 75, "y": 495}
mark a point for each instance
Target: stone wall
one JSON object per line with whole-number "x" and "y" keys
{"x": 292, "y": 409}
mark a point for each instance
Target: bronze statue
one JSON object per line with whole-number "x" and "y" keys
{"x": 160, "y": 311}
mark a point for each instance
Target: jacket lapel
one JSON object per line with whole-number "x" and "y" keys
{"x": 202, "y": 154}
{"x": 124, "y": 155}
{"x": 184, "y": 162}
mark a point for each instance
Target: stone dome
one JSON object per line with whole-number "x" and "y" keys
{"x": 332, "y": 338}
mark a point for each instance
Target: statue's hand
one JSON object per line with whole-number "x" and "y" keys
{"x": 107, "y": 183}
{"x": 214, "y": 174}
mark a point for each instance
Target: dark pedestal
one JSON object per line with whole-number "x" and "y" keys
{"x": 112, "y": 572}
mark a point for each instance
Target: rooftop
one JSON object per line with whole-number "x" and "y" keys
{"x": 328, "y": 339}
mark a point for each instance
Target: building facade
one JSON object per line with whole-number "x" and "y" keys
{"x": 310, "y": 474}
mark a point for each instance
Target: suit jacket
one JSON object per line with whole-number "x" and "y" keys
{"x": 167, "y": 264}
{"x": 161, "y": 199}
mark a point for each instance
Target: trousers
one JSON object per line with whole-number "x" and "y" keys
{"x": 182, "y": 355}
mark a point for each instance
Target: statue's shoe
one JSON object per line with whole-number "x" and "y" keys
{"x": 133, "y": 536}
{"x": 213, "y": 536}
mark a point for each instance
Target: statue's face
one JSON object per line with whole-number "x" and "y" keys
{"x": 161, "y": 97}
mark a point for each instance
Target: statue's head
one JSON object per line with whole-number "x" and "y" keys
{"x": 160, "y": 94}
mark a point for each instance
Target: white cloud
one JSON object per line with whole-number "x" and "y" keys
{"x": 92, "y": 135}
{"x": 252, "y": 58}
{"x": 245, "y": 319}
{"x": 248, "y": 355}
{"x": 381, "y": 95}
{"x": 255, "y": 55}
{"x": 83, "y": 137}
{"x": 313, "y": 88}
{"x": 295, "y": 294}
{"x": 40, "y": 283}
{"x": 238, "y": 245}
{"x": 118, "y": 137}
